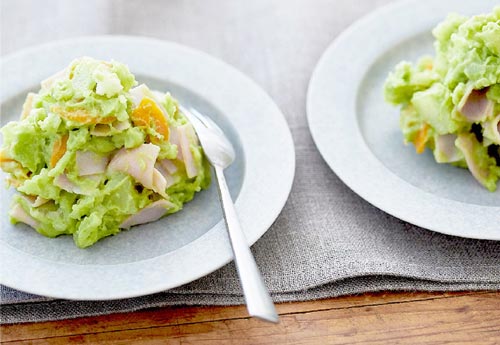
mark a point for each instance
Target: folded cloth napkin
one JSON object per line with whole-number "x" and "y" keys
{"x": 327, "y": 241}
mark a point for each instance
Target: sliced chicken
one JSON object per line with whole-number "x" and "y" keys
{"x": 174, "y": 139}
{"x": 169, "y": 179}
{"x": 29, "y": 198}
{"x": 13, "y": 182}
{"x": 466, "y": 143}
{"x": 475, "y": 106}
{"x": 121, "y": 126}
{"x": 47, "y": 83}
{"x": 28, "y": 105}
{"x": 186, "y": 132}
{"x": 39, "y": 201}
{"x": 19, "y": 214}
{"x": 159, "y": 183}
{"x": 137, "y": 93}
{"x": 95, "y": 177}
{"x": 148, "y": 214}
{"x": 168, "y": 165}
{"x": 159, "y": 96}
{"x": 492, "y": 130}
{"x": 138, "y": 162}
{"x": 90, "y": 163}
{"x": 35, "y": 201}
{"x": 66, "y": 184}
{"x": 446, "y": 151}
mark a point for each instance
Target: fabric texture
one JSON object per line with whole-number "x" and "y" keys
{"x": 327, "y": 240}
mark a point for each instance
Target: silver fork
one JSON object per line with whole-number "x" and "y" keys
{"x": 220, "y": 153}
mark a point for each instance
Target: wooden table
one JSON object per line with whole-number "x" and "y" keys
{"x": 377, "y": 318}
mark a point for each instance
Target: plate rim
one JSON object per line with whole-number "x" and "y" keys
{"x": 316, "y": 114}
{"x": 223, "y": 254}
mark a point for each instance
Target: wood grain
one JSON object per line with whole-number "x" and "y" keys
{"x": 381, "y": 318}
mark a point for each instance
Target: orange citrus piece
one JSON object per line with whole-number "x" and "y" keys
{"x": 149, "y": 112}
{"x": 421, "y": 138}
{"x": 81, "y": 116}
{"x": 59, "y": 150}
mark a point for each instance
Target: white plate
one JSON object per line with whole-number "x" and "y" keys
{"x": 358, "y": 133}
{"x": 179, "y": 248}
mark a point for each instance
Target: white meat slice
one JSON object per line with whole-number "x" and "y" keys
{"x": 148, "y": 214}
{"x": 169, "y": 179}
{"x": 29, "y": 198}
{"x": 492, "y": 130}
{"x": 475, "y": 106}
{"x": 159, "y": 183}
{"x": 446, "y": 151}
{"x": 96, "y": 177}
{"x": 19, "y": 214}
{"x": 186, "y": 132}
{"x": 121, "y": 126}
{"x": 466, "y": 144}
{"x": 137, "y": 94}
{"x": 28, "y": 105}
{"x": 47, "y": 83}
{"x": 39, "y": 201}
{"x": 174, "y": 139}
{"x": 158, "y": 95}
{"x": 64, "y": 183}
{"x": 137, "y": 162}
{"x": 168, "y": 165}
{"x": 90, "y": 163}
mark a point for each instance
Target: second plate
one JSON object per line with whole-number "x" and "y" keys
{"x": 358, "y": 134}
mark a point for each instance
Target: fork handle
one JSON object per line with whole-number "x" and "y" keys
{"x": 257, "y": 298}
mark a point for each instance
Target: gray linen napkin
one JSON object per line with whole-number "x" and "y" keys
{"x": 327, "y": 241}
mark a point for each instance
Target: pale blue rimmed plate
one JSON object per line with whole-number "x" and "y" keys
{"x": 358, "y": 134}
{"x": 179, "y": 248}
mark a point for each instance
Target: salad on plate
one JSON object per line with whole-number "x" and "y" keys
{"x": 94, "y": 153}
{"x": 450, "y": 103}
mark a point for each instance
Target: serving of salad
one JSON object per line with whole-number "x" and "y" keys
{"x": 93, "y": 153}
{"x": 450, "y": 104}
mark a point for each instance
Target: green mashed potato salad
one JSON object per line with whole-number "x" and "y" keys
{"x": 450, "y": 104}
{"x": 93, "y": 153}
